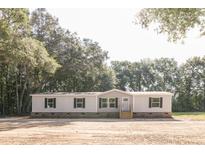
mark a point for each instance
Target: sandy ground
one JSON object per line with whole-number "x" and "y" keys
{"x": 100, "y": 131}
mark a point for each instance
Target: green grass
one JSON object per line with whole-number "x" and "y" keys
{"x": 189, "y": 115}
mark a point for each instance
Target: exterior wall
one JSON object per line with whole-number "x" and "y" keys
{"x": 63, "y": 104}
{"x": 113, "y": 94}
{"x": 141, "y": 103}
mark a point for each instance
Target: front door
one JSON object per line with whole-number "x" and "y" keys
{"x": 125, "y": 104}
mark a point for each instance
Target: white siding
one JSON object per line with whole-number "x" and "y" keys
{"x": 141, "y": 103}
{"x": 63, "y": 104}
{"x": 66, "y": 103}
{"x": 113, "y": 94}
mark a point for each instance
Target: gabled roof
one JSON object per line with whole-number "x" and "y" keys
{"x": 100, "y": 93}
{"x": 115, "y": 90}
{"x": 67, "y": 94}
{"x": 151, "y": 93}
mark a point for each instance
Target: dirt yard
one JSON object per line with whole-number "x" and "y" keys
{"x": 100, "y": 131}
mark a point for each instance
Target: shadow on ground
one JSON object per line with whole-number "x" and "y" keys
{"x": 24, "y": 123}
{"x": 11, "y": 123}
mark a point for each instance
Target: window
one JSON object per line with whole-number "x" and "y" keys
{"x": 112, "y": 102}
{"x": 79, "y": 102}
{"x": 125, "y": 99}
{"x": 104, "y": 102}
{"x": 155, "y": 102}
{"x": 50, "y": 102}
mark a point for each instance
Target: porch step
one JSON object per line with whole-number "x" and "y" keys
{"x": 125, "y": 115}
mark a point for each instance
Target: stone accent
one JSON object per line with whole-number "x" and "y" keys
{"x": 152, "y": 115}
{"x": 75, "y": 115}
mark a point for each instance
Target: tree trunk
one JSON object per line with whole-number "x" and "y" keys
{"x": 204, "y": 96}
{"x": 17, "y": 95}
{"x": 22, "y": 95}
{"x": 139, "y": 85}
{"x": 6, "y": 100}
{"x": 2, "y": 93}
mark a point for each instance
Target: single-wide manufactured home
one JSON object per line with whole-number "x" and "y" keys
{"x": 109, "y": 104}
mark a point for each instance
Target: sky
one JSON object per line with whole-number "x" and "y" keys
{"x": 115, "y": 31}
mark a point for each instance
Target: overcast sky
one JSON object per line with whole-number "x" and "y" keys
{"x": 115, "y": 31}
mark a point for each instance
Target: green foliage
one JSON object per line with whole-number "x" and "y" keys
{"x": 82, "y": 60}
{"x": 21, "y": 56}
{"x": 175, "y": 22}
{"x": 191, "y": 88}
{"x": 187, "y": 81}
{"x": 146, "y": 75}
{"x": 38, "y": 55}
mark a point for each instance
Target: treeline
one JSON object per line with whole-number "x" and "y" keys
{"x": 186, "y": 82}
{"x": 38, "y": 55}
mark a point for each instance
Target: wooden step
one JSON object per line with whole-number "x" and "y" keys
{"x": 125, "y": 115}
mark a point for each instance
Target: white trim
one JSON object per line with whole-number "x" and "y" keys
{"x": 79, "y": 102}
{"x": 125, "y": 97}
{"x": 91, "y": 94}
{"x": 112, "y": 102}
{"x": 61, "y": 95}
{"x": 104, "y": 102}
{"x": 127, "y": 101}
{"x": 114, "y": 90}
{"x": 52, "y": 102}
{"x": 155, "y": 102}
{"x": 152, "y": 93}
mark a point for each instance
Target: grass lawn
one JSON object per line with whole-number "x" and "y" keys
{"x": 189, "y": 115}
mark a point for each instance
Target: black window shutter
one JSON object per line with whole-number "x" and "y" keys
{"x": 116, "y": 102}
{"x": 74, "y": 102}
{"x": 83, "y": 102}
{"x": 161, "y": 102}
{"x": 150, "y": 99}
{"x": 99, "y": 102}
{"x": 46, "y": 103}
{"x": 54, "y": 102}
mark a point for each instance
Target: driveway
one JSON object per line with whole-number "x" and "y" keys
{"x": 22, "y": 130}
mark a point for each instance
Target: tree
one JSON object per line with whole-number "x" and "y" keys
{"x": 191, "y": 95}
{"x": 189, "y": 84}
{"x": 32, "y": 63}
{"x": 81, "y": 60}
{"x": 13, "y": 27}
{"x": 175, "y": 22}
{"x": 166, "y": 73}
{"x": 22, "y": 59}
{"x": 122, "y": 71}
